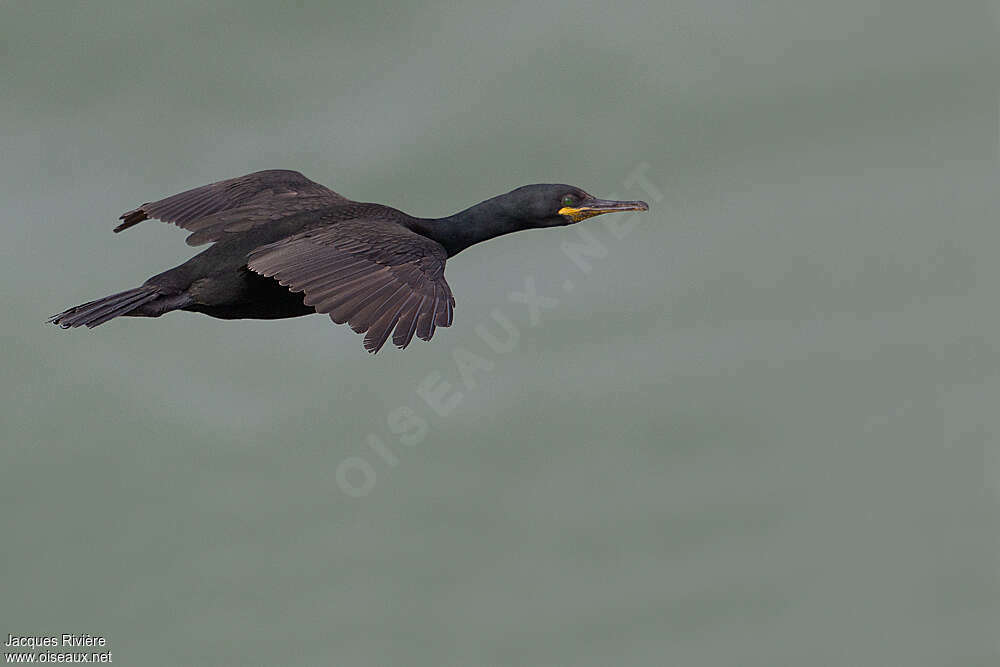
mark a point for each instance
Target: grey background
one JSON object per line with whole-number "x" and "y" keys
{"x": 760, "y": 431}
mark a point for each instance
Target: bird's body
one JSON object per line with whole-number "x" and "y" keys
{"x": 284, "y": 246}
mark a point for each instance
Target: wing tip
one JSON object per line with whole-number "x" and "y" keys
{"x": 130, "y": 219}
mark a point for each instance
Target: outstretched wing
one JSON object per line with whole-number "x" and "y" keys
{"x": 236, "y": 204}
{"x": 375, "y": 275}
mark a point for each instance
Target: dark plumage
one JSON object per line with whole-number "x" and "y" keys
{"x": 284, "y": 246}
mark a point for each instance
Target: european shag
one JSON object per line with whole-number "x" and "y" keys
{"x": 284, "y": 246}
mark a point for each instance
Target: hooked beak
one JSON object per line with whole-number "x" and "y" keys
{"x": 588, "y": 208}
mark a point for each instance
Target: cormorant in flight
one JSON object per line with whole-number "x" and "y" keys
{"x": 285, "y": 246}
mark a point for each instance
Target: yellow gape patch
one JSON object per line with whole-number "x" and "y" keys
{"x": 578, "y": 214}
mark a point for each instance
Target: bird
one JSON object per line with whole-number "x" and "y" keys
{"x": 285, "y": 246}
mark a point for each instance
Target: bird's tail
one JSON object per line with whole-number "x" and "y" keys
{"x": 97, "y": 312}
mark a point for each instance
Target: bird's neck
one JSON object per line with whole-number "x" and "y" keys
{"x": 478, "y": 223}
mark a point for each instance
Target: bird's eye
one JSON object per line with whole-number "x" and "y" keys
{"x": 568, "y": 200}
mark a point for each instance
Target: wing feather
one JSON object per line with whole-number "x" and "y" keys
{"x": 235, "y": 204}
{"x": 408, "y": 321}
{"x": 375, "y": 275}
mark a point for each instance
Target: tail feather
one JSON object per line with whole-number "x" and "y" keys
{"x": 93, "y": 313}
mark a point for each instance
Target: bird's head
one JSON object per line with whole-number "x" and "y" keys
{"x": 552, "y": 205}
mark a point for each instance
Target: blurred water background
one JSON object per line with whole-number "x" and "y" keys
{"x": 760, "y": 429}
